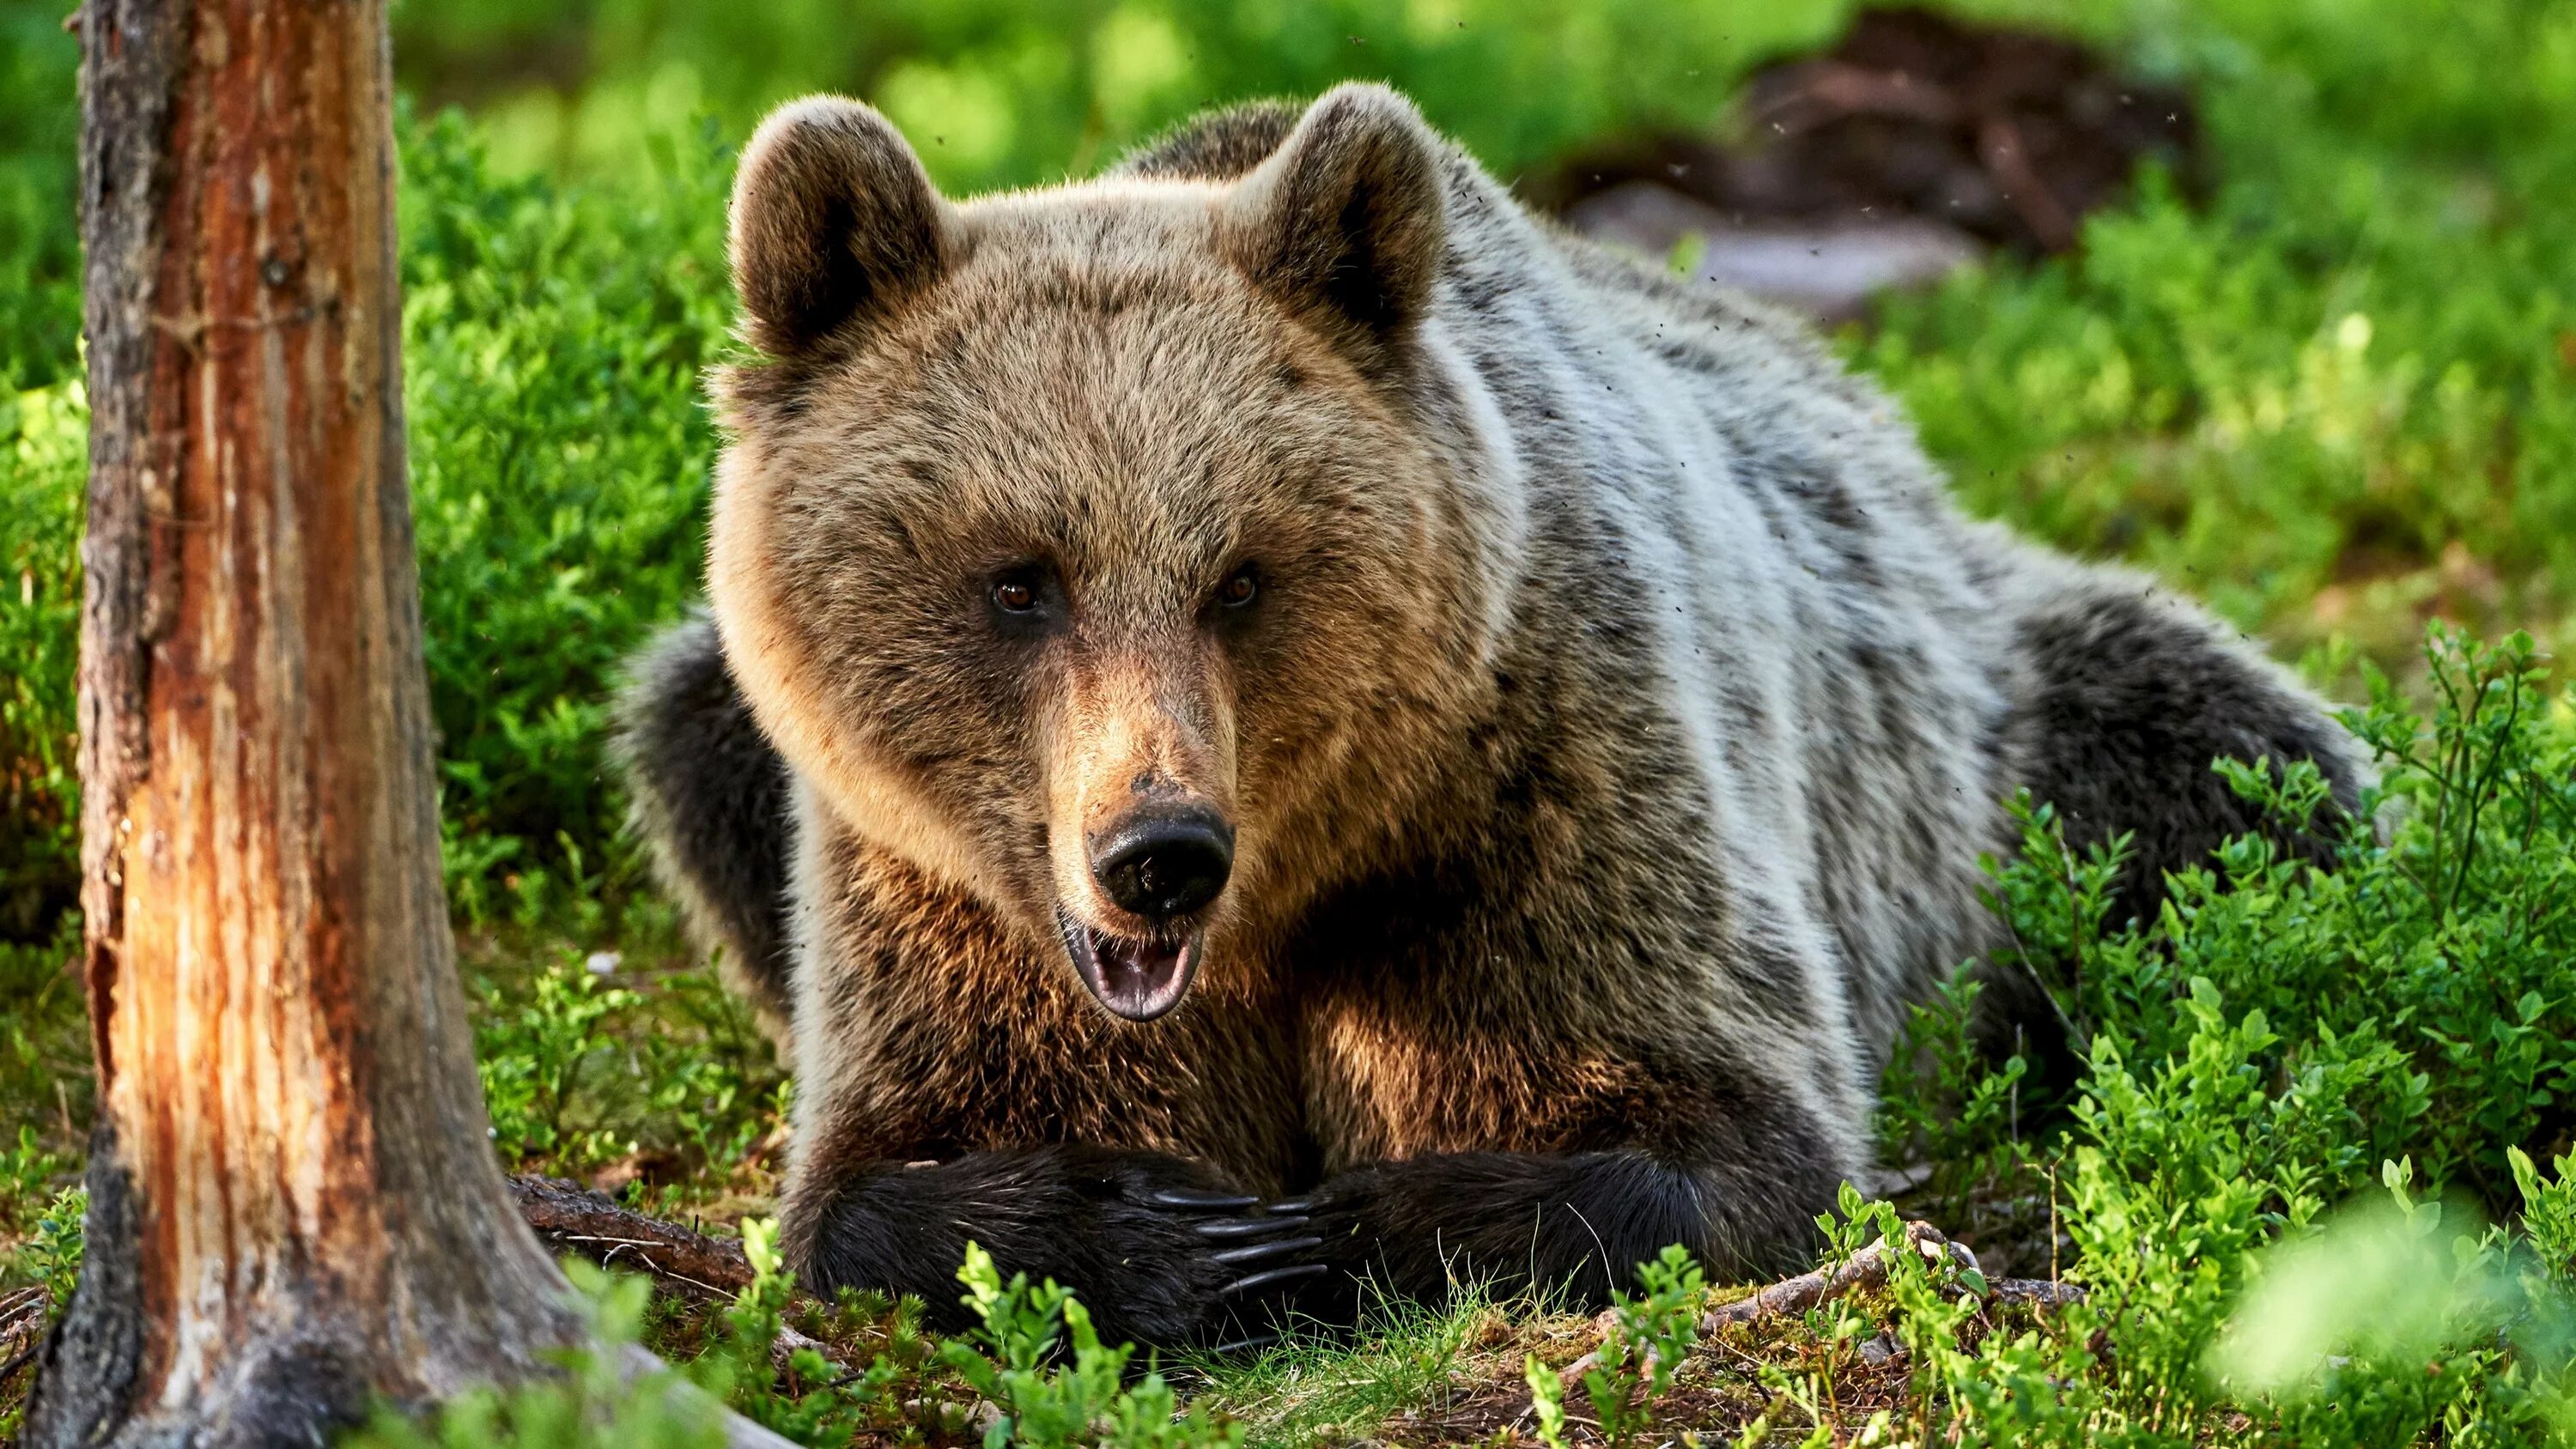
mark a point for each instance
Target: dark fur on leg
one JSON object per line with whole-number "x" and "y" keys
{"x": 711, "y": 798}
{"x": 2122, "y": 721}
{"x": 2124, "y": 709}
{"x": 1142, "y": 1239}
{"x": 1576, "y": 1225}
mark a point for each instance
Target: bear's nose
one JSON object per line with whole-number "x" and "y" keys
{"x": 1165, "y": 863}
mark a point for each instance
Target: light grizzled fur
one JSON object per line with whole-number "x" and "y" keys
{"x": 1608, "y": 765}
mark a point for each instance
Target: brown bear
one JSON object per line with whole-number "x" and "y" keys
{"x": 1272, "y": 723}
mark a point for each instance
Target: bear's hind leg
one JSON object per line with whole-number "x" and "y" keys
{"x": 2127, "y": 697}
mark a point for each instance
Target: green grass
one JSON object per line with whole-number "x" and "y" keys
{"x": 2337, "y": 398}
{"x": 1407, "y": 1362}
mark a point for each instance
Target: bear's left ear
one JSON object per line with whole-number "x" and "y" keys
{"x": 834, "y": 223}
{"x": 1346, "y": 220}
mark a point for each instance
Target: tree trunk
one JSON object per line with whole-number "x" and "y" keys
{"x": 293, "y": 1202}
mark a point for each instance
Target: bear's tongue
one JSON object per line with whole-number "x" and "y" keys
{"x": 1139, "y": 980}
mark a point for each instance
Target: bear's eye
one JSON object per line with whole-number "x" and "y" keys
{"x": 1016, "y": 593}
{"x": 1240, "y": 588}
{"x": 1024, "y": 601}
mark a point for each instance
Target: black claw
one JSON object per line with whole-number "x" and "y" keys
{"x": 1248, "y": 1345}
{"x": 1275, "y": 1276}
{"x": 1259, "y": 1251}
{"x": 1292, "y": 1206}
{"x": 1249, "y": 1227}
{"x": 1189, "y": 1197}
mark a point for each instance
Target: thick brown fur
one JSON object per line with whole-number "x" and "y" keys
{"x": 1606, "y": 754}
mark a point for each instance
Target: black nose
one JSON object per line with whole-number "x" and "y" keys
{"x": 1165, "y": 864}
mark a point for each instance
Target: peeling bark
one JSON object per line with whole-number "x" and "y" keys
{"x": 293, "y": 1202}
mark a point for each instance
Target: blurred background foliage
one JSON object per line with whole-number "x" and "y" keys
{"x": 2333, "y": 390}
{"x": 1016, "y": 92}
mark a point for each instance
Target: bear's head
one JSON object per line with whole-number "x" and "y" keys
{"x": 1128, "y": 553}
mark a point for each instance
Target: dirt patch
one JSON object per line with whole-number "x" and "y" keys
{"x": 1719, "y": 1390}
{"x": 1916, "y": 143}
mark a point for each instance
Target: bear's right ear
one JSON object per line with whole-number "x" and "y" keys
{"x": 833, "y": 220}
{"x": 1347, "y": 220}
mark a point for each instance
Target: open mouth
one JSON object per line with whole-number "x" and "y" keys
{"x": 1138, "y": 979}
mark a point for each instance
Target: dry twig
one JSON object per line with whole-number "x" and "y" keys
{"x": 22, "y": 1326}
{"x": 575, "y": 1219}
{"x": 569, "y": 1216}
{"x": 1868, "y": 1269}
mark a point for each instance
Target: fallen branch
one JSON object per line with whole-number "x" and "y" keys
{"x": 2035, "y": 1292}
{"x": 22, "y": 1328}
{"x": 1868, "y": 1269}
{"x": 1865, "y": 1269}
{"x": 572, "y": 1218}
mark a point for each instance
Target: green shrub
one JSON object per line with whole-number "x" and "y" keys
{"x": 1049, "y": 1383}
{"x": 553, "y": 345}
{"x": 1040, "y": 1362}
{"x": 579, "y": 1071}
{"x": 2548, "y": 1211}
{"x": 2263, "y": 1048}
{"x": 554, "y": 342}
{"x": 1635, "y": 1365}
{"x": 597, "y": 1399}
{"x": 2341, "y": 396}
{"x": 39, "y": 238}
{"x": 2433, "y": 977}
{"x": 40, "y": 1228}
{"x": 812, "y": 1401}
{"x": 43, "y": 450}
{"x": 534, "y": 1053}
{"x": 41, "y": 1243}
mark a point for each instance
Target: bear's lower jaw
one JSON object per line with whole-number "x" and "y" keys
{"x": 1139, "y": 980}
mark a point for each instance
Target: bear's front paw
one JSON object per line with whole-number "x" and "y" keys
{"x": 1270, "y": 1253}
{"x": 1160, "y": 1250}
{"x": 1178, "y": 1259}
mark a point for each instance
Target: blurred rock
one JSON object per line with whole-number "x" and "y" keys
{"x": 1829, "y": 271}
